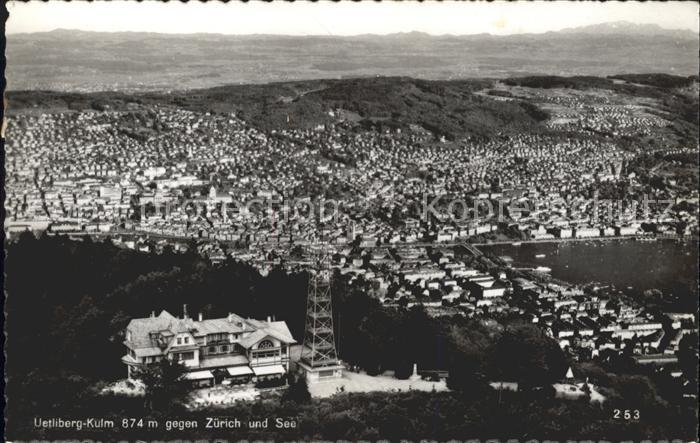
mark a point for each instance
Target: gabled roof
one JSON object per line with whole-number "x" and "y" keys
{"x": 141, "y": 328}
{"x": 145, "y": 330}
{"x": 275, "y": 329}
{"x": 497, "y": 284}
{"x": 253, "y": 338}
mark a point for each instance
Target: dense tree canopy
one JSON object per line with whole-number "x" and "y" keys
{"x": 161, "y": 382}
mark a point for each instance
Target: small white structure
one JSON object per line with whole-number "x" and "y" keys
{"x": 415, "y": 375}
{"x": 569, "y": 373}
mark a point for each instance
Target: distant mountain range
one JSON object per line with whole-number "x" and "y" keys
{"x": 71, "y": 60}
{"x": 628, "y": 28}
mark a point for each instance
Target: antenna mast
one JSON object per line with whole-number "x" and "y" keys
{"x": 319, "y": 358}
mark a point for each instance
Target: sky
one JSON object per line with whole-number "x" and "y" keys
{"x": 344, "y": 18}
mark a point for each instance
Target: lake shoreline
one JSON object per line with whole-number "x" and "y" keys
{"x": 643, "y": 238}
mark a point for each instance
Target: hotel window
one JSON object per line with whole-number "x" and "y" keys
{"x": 187, "y": 340}
{"x": 212, "y": 349}
{"x": 266, "y": 354}
{"x": 213, "y": 338}
{"x": 224, "y": 348}
{"x": 265, "y": 344}
{"x": 185, "y": 356}
{"x": 179, "y": 340}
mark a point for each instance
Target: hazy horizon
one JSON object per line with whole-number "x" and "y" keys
{"x": 342, "y": 19}
{"x": 340, "y": 36}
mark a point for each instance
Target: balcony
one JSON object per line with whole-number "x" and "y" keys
{"x": 129, "y": 360}
{"x": 282, "y": 360}
{"x": 321, "y": 314}
{"x": 220, "y": 341}
{"x": 324, "y": 345}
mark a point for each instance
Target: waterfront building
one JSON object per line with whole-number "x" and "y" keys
{"x": 586, "y": 232}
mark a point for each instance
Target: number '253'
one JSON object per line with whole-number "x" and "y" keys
{"x": 626, "y": 414}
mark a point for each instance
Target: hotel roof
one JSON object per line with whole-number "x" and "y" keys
{"x": 165, "y": 324}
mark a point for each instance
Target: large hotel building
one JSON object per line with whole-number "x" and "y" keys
{"x": 232, "y": 347}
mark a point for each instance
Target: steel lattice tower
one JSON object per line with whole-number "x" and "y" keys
{"x": 318, "y": 350}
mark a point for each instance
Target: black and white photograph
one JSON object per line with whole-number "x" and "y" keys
{"x": 351, "y": 221}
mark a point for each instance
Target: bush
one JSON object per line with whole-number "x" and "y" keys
{"x": 298, "y": 390}
{"x": 403, "y": 370}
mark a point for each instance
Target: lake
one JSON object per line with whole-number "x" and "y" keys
{"x": 666, "y": 265}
